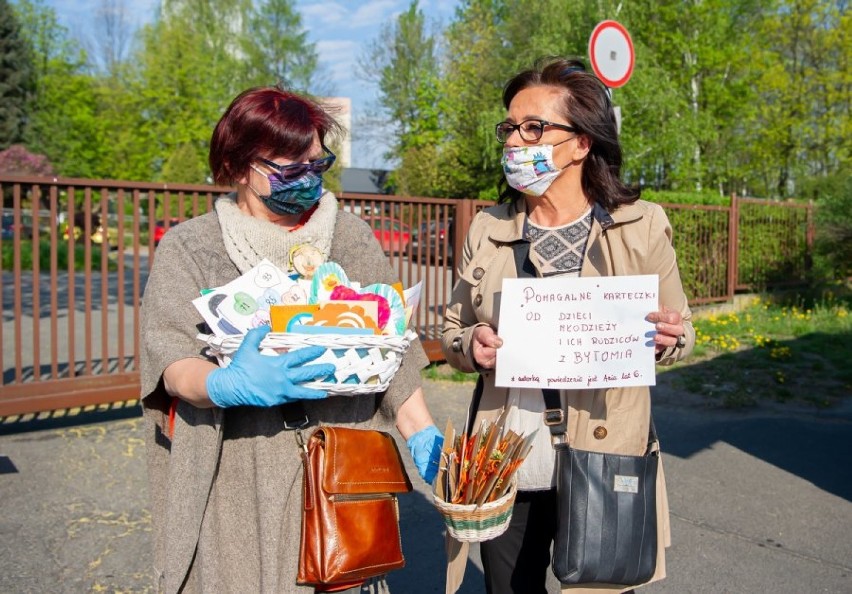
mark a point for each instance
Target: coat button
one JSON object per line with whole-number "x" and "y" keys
{"x": 599, "y": 432}
{"x": 477, "y": 301}
{"x": 478, "y": 273}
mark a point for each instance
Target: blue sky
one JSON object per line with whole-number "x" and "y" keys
{"x": 340, "y": 29}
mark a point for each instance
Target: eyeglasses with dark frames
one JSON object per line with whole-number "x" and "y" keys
{"x": 530, "y": 130}
{"x": 294, "y": 170}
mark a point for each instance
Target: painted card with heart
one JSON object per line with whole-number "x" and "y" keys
{"x": 396, "y": 321}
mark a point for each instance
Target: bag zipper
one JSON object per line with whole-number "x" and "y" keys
{"x": 359, "y": 496}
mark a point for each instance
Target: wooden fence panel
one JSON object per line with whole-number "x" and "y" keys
{"x": 70, "y": 326}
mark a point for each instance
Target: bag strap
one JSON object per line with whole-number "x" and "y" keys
{"x": 295, "y": 419}
{"x": 523, "y": 265}
{"x": 295, "y": 416}
{"x": 554, "y": 415}
{"x": 556, "y": 421}
{"x": 474, "y": 404}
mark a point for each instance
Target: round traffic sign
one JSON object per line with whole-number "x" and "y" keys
{"x": 611, "y": 53}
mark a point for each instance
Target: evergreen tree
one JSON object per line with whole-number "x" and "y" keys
{"x": 17, "y": 77}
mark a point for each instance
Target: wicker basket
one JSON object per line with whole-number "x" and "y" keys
{"x": 475, "y": 523}
{"x": 363, "y": 364}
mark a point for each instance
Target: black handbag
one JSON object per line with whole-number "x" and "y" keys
{"x": 606, "y": 512}
{"x": 606, "y": 530}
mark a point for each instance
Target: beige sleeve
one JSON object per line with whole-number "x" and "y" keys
{"x": 661, "y": 251}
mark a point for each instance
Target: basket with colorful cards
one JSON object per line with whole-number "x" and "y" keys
{"x": 475, "y": 487}
{"x": 363, "y": 329}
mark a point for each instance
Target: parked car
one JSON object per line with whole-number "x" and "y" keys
{"x": 434, "y": 242}
{"x": 393, "y": 234}
{"x": 160, "y": 229}
{"x": 8, "y": 230}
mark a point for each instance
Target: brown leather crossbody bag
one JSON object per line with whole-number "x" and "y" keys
{"x": 350, "y": 515}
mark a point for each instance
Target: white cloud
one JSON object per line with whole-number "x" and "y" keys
{"x": 374, "y": 13}
{"x": 337, "y": 49}
{"x": 354, "y": 15}
{"x": 81, "y": 16}
{"x": 339, "y": 57}
{"x": 318, "y": 15}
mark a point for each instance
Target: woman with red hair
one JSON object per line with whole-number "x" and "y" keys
{"x": 225, "y": 476}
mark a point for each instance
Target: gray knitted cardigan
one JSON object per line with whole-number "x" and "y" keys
{"x": 225, "y": 489}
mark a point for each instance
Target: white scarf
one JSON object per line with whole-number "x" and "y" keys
{"x": 248, "y": 239}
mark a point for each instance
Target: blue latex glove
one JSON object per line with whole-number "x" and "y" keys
{"x": 253, "y": 379}
{"x": 425, "y": 447}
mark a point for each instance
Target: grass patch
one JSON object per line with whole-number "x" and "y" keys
{"x": 7, "y": 254}
{"x": 445, "y": 372}
{"x": 795, "y": 351}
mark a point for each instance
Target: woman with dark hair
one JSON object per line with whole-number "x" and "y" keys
{"x": 562, "y": 196}
{"x": 224, "y": 470}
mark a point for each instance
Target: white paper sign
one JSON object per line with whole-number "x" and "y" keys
{"x": 576, "y": 333}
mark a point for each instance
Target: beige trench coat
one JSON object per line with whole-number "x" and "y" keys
{"x": 635, "y": 239}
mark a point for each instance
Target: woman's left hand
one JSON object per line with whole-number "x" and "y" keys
{"x": 425, "y": 447}
{"x": 669, "y": 326}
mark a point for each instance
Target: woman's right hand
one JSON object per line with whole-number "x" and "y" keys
{"x": 254, "y": 379}
{"x": 485, "y": 345}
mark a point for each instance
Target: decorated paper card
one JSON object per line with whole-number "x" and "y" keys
{"x": 576, "y": 333}
{"x": 330, "y": 314}
{"x": 284, "y": 317}
{"x": 411, "y": 297}
{"x": 243, "y": 303}
{"x": 348, "y": 314}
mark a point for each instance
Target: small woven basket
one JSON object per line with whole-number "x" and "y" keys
{"x": 475, "y": 523}
{"x": 363, "y": 364}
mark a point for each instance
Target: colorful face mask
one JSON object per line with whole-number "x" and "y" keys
{"x": 293, "y": 196}
{"x": 294, "y": 188}
{"x": 530, "y": 169}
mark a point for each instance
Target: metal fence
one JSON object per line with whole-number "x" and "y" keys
{"x": 76, "y": 255}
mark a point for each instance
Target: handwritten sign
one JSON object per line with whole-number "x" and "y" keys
{"x": 577, "y": 333}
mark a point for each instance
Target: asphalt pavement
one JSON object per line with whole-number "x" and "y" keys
{"x": 761, "y": 501}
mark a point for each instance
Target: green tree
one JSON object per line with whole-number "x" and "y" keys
{"x": 183, "y": 166}
{"x": 834, "y": 227}
{"x": 48, "y": 40}
{"x": 67, "y": 126}
{"x": 63, "y": 119}
{"x": 802, "y": 125}
{"x": 277, "y": 48}
{"x": 403, "y": 62}
{"x": 180, "y": 87}
{"x": 17, "y": 77}
{"x": 701, "y": 51}
{"x": 190, "y": 64}
{"x": 477, "y": 67}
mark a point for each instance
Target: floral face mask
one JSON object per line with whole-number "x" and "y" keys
{"x": 530, "y": 169}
